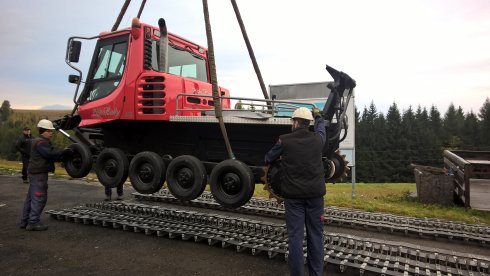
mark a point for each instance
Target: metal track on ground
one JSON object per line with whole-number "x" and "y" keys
{"x": 350, "y": 254}
{"x": 417, "y": 227}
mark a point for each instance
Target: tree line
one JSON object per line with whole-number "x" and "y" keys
{"x": 11, "y": 124}
{"x": 387, "y": 145}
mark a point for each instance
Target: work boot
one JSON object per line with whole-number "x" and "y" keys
{"x": 23, "y": 225}
{"x": 36, "y": 227}
{"x": 119, "y": 197}
{"x": 107, "y": 198}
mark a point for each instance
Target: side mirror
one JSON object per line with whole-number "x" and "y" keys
{"x": 73, "y": 79}
{"x": 74, "y": 51}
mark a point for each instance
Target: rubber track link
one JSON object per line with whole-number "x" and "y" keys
{"x": 349, "y": 254}
{"x": 344, "y": 217}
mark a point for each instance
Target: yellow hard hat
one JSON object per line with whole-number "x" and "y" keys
{"x": 303, "y": 113}
{"x": 46, "y": 124}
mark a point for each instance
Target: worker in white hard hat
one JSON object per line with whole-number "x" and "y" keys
{"x": 41, "y": 162}
{"x": 303, "y": 187}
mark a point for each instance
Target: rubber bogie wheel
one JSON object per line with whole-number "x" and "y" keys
{"x": 186, "y": 177}
{"x": 112, "y": 167}
{"x": 147, "y": 172}
{"x": 232, "y": 183}
{"x": 80, "y": 162}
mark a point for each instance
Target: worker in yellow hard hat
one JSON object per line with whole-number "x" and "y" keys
{"x": 303, "y": 188}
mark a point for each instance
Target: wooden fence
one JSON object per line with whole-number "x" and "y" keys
{"x": 466, "y": 165}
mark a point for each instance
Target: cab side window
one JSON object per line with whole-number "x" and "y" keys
{"x": 181, "y": 63}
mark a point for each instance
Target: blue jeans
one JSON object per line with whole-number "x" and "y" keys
{"x": 36, "y": 198}
{"x": 119, "y": 189}
{"x": 301, "y": 212}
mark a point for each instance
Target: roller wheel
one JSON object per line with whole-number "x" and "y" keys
{"x": 336, "y": 168}
{"x": 186, "y": 177}
{"x": 80, "y": 162}
{"x": 147, "y": 172}
{"x": 112, "y": 167}
{"x": 232, "y": 183}
{"x": 272, "y": 180}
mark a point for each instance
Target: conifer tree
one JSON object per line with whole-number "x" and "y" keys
{"x": 363, "y": 147}
{"x": 470, "y": 132}
{"x": 428, "y": 151}
{"x": 453, "y": 124}
{"x": 435, "y": 123}
{"x": 393, "y": 134}
{"x": 484, "y": 116}
{"x": 407, "y": 143}
{"x": 380, "y": 150}
{"x": 5, "y": 111}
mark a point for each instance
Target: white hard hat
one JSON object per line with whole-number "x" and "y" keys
{"x": 46, "y": 124}
{"x": 303, "y": 113}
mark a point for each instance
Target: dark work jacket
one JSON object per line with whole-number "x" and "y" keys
{"x": 302, "y": 168}
{"x": 23, "y": 145}
{"x": 43, "y": 156}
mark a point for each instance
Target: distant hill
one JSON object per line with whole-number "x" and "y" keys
{"x": 39, "y": 113}
{"x": 55, "y": 107}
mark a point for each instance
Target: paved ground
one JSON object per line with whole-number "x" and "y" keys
{"x": 76, "y": 249}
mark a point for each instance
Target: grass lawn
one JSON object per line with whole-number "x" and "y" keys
{"x": 392, "y": 198}
{"x": 373, "y": 197}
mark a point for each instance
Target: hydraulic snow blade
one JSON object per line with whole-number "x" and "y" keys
{"x": 342, "y": 82}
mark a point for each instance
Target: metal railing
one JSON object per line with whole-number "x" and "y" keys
{"x": 277, "y": 107}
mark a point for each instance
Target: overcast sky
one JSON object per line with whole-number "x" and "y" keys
{"x": 412, "y": 52}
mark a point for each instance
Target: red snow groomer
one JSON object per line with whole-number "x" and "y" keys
{"x": 146, "y": 111}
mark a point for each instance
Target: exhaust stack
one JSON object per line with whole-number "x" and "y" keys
{"x": 163, "y": 53}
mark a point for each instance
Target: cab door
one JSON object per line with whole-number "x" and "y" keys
{"x": 102, "y": 97}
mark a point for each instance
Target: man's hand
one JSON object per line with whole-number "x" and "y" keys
{"x": 316, "y": 112}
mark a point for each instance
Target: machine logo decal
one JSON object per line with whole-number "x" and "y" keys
{"x": 105, "y": 112}
{"x": 200, "y": 91}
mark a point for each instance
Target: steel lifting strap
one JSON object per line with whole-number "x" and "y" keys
{"x": 214, "y": 80}
{"x": 121, "y": 14}
{"x": 250, "y": 50}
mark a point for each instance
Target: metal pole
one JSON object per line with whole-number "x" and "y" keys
{"x": 121, "y": 14}
{"x": 214, "y": 80}
{"x": 250, "y": 50}
{"x": 353, "y": 168}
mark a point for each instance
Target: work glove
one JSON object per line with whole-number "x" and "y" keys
{"x": 316, "y": 112}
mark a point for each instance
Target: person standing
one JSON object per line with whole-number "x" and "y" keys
{"x": 23, "y": 146}
{"x": 119, "y": 190}
{"x": 41, "y": 162}
{"x": 303, "y": 188}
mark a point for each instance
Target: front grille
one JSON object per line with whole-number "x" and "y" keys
{"x": 151, "y": 95}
